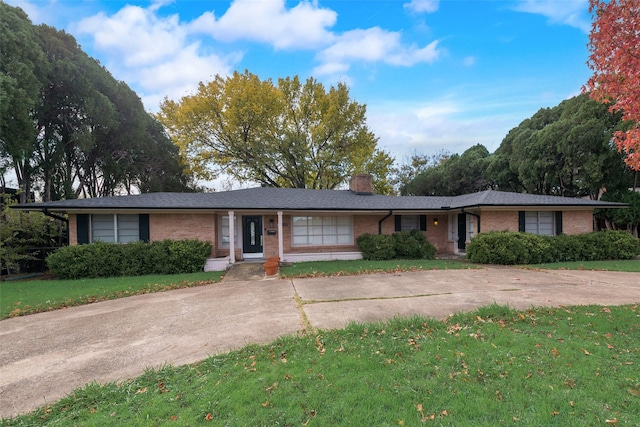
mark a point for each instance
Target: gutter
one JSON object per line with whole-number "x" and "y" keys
{"x": 380, "y": 222}
{"x": 54, "y": 216}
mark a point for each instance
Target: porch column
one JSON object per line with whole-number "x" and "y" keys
{"x": 280, "y": 237}
{"x": 232, "y": 238}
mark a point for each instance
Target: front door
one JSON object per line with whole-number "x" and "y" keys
{"x": 252, "y": 236}
{"x": 462, "y": 232}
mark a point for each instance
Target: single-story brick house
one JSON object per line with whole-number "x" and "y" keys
{"x": 302, "y": 224}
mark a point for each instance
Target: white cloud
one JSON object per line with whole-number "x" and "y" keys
{"x": 574, "y": 13}
{"x": 136, "y": 34}
{"x": 420, "y": 6}
{"x": 302, "y": 26}
{"x": 155, "y": 54}
{"x": 373, "y": 45}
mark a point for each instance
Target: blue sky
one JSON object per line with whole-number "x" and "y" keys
{"x": 434, "y": 75}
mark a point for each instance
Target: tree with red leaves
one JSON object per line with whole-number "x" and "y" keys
{"x": 614, "y": 43}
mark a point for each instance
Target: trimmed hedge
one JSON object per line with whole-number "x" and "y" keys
{"x": 507, "y": 248}
{"x": 405, "y": 245}
{"x": 132, "y": 259}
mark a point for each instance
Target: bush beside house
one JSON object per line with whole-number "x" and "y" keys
{"x": 133, "y": 259}
{"x": 508, "y": 248}
{"x": 404, "y": 245}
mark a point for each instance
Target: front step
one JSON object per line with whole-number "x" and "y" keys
{"x": 244, "y": 271}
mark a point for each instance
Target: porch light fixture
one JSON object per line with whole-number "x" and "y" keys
{"x": 270, "y": 223}
{"x": 435, "y": 221}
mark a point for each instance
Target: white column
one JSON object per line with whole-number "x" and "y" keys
{"x": 280, "y": 237}
{"x": 232, "y": 238}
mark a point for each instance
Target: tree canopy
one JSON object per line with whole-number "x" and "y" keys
{"x": 614, "y": 43}
{"x": 67, "y": 127}
{"x": 290, "y": 134}
{"x": 565, "y": 150}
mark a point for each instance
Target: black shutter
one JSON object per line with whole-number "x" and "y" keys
{"x": 423, "y": 223}
{"x": 82, "y": 222}
{"x": 558, "y": 223}
{"x": 143, "y": 221}
{"x": 398, "y": 219}
{"x": 521, "y": 222}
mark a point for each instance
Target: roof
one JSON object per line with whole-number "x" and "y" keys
{"x": 297, "y": 199}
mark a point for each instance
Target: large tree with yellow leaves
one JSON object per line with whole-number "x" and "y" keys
{"x": 292, "y": 134}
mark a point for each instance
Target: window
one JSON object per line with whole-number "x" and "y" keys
{"x": 115, "y": 228}
{"x": 411, "y": 222}
{"x": 224, "y": 231}
{"x": 322, "y": 230}
{"x": 470, "y": 227}
{"x": 540, "y": 223}
{"x": 453, "y": 227}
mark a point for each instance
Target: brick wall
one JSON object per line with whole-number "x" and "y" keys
{"x": 577, "y": 222}
{"x": 184, "y": 226}
{"x": 498, "y": 221}
{"x": 73, "y": 229}
{"x": 573, "y": 222}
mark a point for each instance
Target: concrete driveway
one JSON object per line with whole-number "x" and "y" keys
{"x": 43, "y": 357}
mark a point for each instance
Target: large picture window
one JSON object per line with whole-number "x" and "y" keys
{"x": 115, "y": 228}
{"x": 322, "y": 230}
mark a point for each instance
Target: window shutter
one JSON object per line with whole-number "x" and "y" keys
{"x": 143, "y": 222}
{"x": 558, "y": 223}
{"x": 521, "y": 222}
{"x": 398, "y": 219}
{"x": 82, "y": 227}
{"x": 423, "y": 223}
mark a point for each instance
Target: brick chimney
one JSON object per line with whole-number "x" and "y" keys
{"x": 361, "y": 184}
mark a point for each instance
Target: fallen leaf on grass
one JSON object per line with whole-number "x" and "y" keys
{"x": 613, "y": 421}
{"x": 208, "y": 417}
{"x": 634, "y": 392}
{"x": 586, "y": 352}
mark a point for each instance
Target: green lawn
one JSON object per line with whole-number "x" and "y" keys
{"x": 344, "y": 268}
{"x": 569, "y": 366}
{"x": 27, "y": 297}
{"x": 632, "y": 265}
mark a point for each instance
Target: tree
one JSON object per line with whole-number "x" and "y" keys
{"x": 67, "y": 127}
{"x": 614, "y": 43}
{"x": 21, "y": 72}
{"x": 292, "y": 134}
{"x": 453, "y": 175}
{"x": 565, "y": 150}
{"x": 414, "y": 165}
{"x": 627, "y": 218}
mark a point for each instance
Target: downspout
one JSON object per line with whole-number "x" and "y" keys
{"x": 380, "y": 222}
{"x": 472, "y": 214}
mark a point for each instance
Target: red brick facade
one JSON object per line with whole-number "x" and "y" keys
{"x": 205, "y": 226}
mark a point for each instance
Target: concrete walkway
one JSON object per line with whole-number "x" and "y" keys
{"x": 45, "y": 356}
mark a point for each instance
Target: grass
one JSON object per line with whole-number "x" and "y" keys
{"x": 353, "y": 267}
{"x": 632, "y": 265}
{"x": 27, "y": 297}
{"x": 568, "y": 366}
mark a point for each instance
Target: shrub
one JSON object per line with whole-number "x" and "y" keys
{"x": 132, "y": 259}
{"x": 406, "y": 245}
{"x": 507, "y": 248}
{"x": 376, "y": 247}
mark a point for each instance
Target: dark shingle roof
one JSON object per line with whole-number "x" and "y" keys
{"x": 264, "y": 198}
